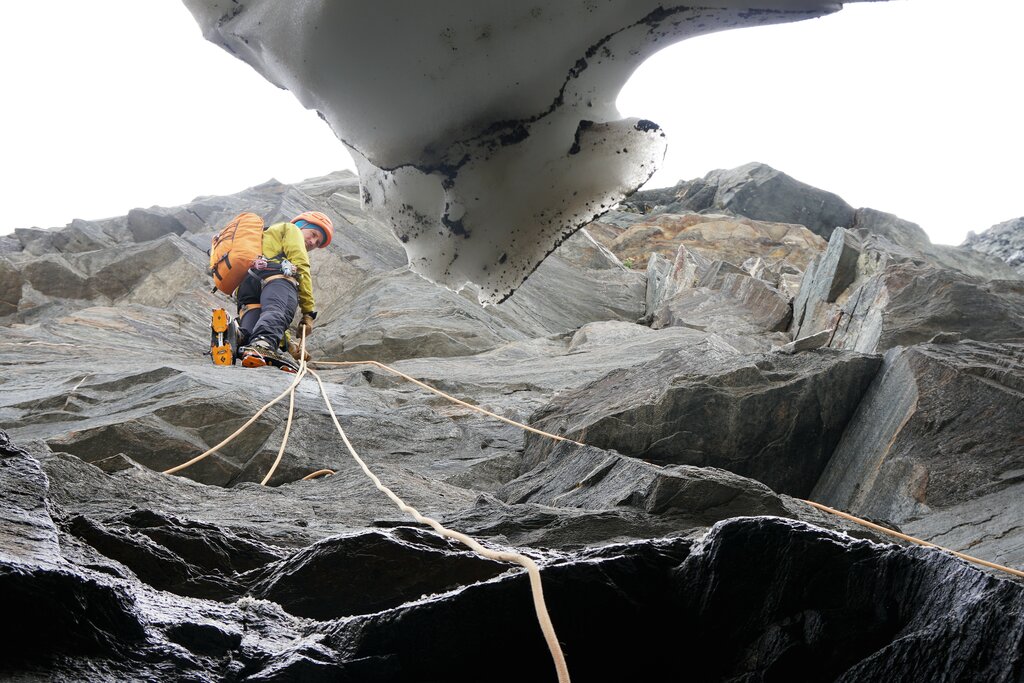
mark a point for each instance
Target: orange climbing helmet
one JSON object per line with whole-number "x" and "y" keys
{"x": 318, "y": 220}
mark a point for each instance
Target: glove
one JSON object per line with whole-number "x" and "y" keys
{"x": 306, "y": 324}
{"x": 296, "y": 351}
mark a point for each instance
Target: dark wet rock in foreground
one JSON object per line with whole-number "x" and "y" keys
{"x": 750, "y": 364}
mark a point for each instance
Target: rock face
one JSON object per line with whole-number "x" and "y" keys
{"x": 875, "y": 296}
{"x": 940, "y": 429}
{"x": 749, "y": 365}
{"x": 758, "y": 191}
{"x": 784, "y": 414}
{"x": 727, "y": 238}
{"x": 1003, "y": 240}
{"x": 484, "y": 134}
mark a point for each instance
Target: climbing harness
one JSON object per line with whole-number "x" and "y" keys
{"x": 245, "y": 308}
{"x": 280, "y": 276}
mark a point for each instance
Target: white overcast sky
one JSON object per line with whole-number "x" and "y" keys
{"x": 912, "y": 107}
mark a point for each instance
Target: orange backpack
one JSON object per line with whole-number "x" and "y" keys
{"x": 234, "y": 249}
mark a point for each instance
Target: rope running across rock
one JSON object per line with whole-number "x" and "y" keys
{"x": 533, "y": 571}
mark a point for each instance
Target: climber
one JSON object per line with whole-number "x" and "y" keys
{"x": 277, "y": 283}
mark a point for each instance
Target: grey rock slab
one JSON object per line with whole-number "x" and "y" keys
{"x": 398, "y": 315}
{"x": 520, "y": 374}
{"x": 11, "y": 285}
{"x": 594, "y": 479}
{"x": 760, "y": 192}
{"x": 837, "y": 269}
{"x": 672, "y": 277}
{"x": 1004, "y": 240}
{"x": 163, "y": 415}
{"x": 803, "y": 296}
{"x": 716, "y": 273}
{"x": 150, "y": 224}
{"x": 771, "y": 417}
{"x": 152, "y": 273}
{"x": 610, "y": 333}
{"x": 990, "y": 527}
{"x": 180, "y": 556}
{"x": 888, "y": 297}
{"x": 658, "y": 271}
{"x": 370, "y": 243}
{"x": 939, "y": 428}
{"x": 909, "y": 304}
{"x": 580, "y": 283}
{"x": 156, "y": 273}
{"x": 814, "y": 341}
{"x": 9, "y": 244}
{"x": 824, "y": 281}
{"x": 401, "y": 315}
{"x": 27, "y": 534}
{"x": 289, "y": 516}
{"x": 974, "y": 262}
{"x": 369, "y": 572}
{"x": 52, "y": 275}
{"x": 736, "y": 304}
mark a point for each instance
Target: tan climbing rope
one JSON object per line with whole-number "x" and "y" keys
{"x": 824, "y": 508}
{"x": 317, "y": 474}
{"x": 533, "y": 571}
{"x": 547, "y": 628}
{"x": 193, "y": 461}
{"x": 540, "y": 607}
{"x": 71, "y": 393}
{"x": 911, "y": 539}
{"x": 291, "y": 408}
{"x": 528, "y": 428}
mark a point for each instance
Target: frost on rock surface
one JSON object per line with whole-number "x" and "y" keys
{"x": 485, "y": 132}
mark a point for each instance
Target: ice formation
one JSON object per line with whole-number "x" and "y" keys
{"x": 484, "y": 131}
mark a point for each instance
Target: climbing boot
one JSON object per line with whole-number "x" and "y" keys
{"x": 261, "y": 353}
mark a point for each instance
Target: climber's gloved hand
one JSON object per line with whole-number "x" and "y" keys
{"x": 306, "y": 324}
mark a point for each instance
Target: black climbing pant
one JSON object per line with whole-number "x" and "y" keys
{"x": 278, "y": 300}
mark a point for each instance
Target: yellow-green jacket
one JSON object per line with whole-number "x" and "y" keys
{"x": 284, "y": 241}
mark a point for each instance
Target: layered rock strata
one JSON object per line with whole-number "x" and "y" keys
{"x": 677, "y": 525}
